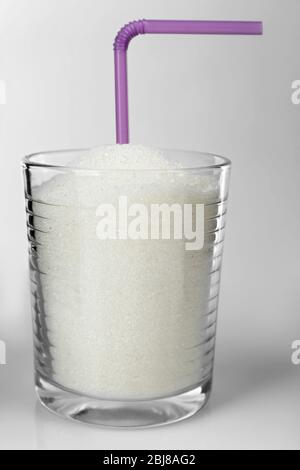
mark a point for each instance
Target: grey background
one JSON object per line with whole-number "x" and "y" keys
{"x": 227, "y": 95}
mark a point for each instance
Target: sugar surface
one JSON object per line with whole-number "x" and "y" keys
{"x": 126, "y": 157}
{"x": 125, "y": 319}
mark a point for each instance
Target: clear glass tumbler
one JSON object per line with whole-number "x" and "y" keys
{"x": 125, "y": 275}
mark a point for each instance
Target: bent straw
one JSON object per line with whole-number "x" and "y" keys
{"x": 130, "y": 30}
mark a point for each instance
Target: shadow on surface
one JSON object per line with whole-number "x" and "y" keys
{"x": 16, "y": 377}
{"x": 240, "y": 376}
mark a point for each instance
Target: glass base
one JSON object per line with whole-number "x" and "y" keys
{"x": 143, "y": 413}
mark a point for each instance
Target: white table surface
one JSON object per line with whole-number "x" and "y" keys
{"x": 255, "y": 405}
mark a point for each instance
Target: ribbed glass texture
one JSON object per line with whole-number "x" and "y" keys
{"x": 124, "y": 329}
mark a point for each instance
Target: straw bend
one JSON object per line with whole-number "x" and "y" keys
{"x": 134, "y": 28}
{"x": 128, "y": 32}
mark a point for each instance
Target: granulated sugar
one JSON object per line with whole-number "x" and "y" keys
{"x": 125, "y": 319}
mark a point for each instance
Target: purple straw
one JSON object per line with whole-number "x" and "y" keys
{"x": 135, "y": 28}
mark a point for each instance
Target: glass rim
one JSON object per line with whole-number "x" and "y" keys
{"x": 31, "y": 160}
